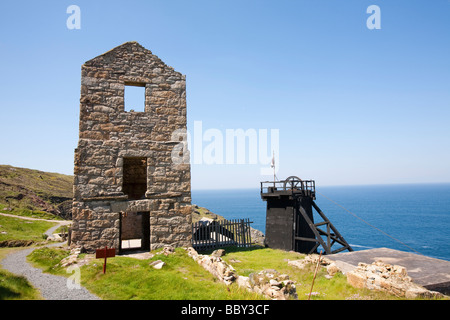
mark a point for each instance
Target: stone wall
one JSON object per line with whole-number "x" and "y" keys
{"x": 111, "y": 138}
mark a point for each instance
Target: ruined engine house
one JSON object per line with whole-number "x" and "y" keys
{"x": 128, "y": 191}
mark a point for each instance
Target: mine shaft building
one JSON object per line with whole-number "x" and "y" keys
{"x": 290, "y": 222}
{"x": 128, "y": 190}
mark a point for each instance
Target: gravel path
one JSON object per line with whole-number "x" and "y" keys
{"x": 52, "y": 287}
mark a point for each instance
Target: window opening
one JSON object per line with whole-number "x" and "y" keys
{"x": 134, "y": 177}
{"x": 134, "y": 97}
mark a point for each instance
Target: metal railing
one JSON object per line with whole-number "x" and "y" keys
{"x": 216, "y": 234}
{"x": 290, "y": 184}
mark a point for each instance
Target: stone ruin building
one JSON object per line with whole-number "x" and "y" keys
{"x": 126, "y": 185}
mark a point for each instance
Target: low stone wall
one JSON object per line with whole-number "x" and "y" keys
{"x": 215, "y": 265}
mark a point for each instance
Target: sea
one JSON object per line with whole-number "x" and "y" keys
{"x": 408, "y": 217}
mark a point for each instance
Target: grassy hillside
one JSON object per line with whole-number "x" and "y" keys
{"x": 23, "y": 190}
{"x": 19, "y": 229}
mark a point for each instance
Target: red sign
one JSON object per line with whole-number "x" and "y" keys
{"x": 105, "y": 253}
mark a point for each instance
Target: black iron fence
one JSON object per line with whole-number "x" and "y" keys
{"x": 208, "y": 235}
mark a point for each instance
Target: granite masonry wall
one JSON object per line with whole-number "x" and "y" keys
{"x": 124, "y": 160}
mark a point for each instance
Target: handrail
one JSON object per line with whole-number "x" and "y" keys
{"x": 288, "y": 185}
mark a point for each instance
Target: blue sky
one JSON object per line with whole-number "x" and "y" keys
{"x": 352, "y": 105}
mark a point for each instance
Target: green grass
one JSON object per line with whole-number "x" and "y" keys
{"x": 180, "y": 279}
{"x": 20, "y": 229}
{"x": 25, "y": 212}
{"x": 183, "y": 279}
{"x": 48, "y": 259}
{"x": 337, "y": 288}
{"x": 13, "y": 287}
{"x": 132, "y": 279}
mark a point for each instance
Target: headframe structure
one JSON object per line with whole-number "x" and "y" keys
{"x": 290, "y": 221}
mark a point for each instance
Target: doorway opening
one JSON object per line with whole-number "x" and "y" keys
{"x": 135, "y": 231}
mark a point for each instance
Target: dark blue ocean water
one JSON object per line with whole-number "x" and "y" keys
{"x": 417, "y": 216}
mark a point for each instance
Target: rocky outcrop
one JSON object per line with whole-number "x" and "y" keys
{"x": 16, "y": 243}
{"x": 257, "y": 236}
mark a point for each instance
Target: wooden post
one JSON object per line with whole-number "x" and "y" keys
{"x": 243, "y": 231}
{"x": 315, "y": 273}
{"x": 104, "y": 264}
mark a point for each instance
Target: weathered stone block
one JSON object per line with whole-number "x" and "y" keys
{"x": 357, "y": 280}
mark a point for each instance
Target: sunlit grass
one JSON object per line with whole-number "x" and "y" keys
{"x": 133, "y": 279}
{"x": 335, "y": 288}
{"x": 21, "y": 229}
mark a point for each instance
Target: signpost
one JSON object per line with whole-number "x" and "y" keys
{"x": 105, "y": 253}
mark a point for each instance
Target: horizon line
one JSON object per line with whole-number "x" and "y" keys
{"x": 329, "y": 185}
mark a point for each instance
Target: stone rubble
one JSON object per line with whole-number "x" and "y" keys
{"x": 267, "y": 282}
{"x": 158, "y": 264}
{"x": 312, "y": 259}
{"x": 167, "y": 250}
{"x": 393, "y": 279}
{"x": 72, "y": 258}
{"x": 272, "y": 284}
